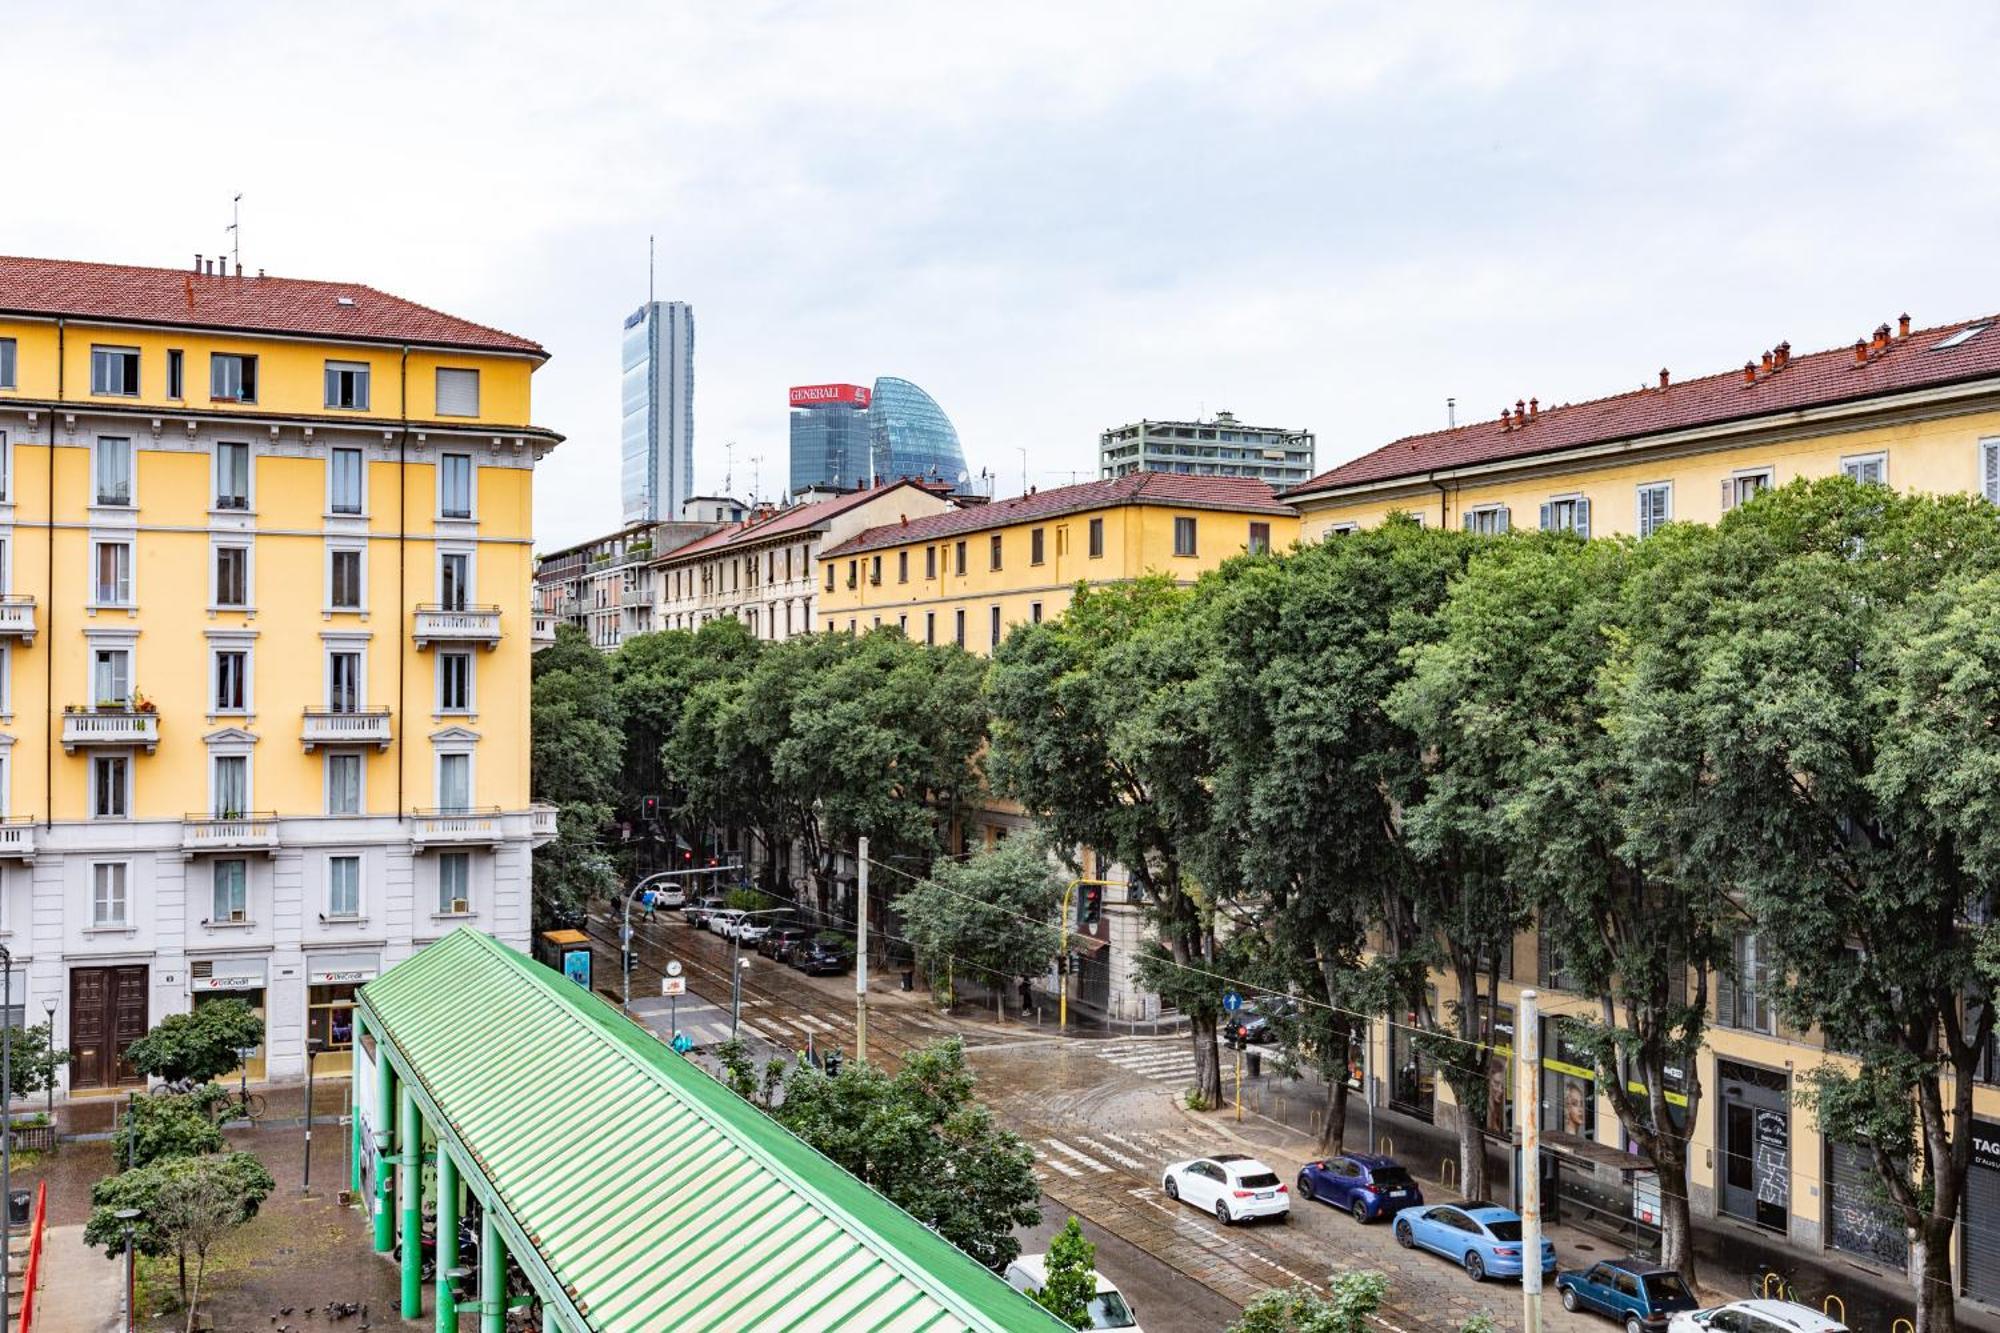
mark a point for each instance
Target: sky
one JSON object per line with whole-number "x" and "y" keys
{"x": 1056, "y": 217}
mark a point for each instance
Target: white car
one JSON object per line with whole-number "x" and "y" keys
{"x": 752, "y": 928}
{"x": 1107, "y": 1308}
{"x": 724, "y": 921}
{"x": 669, "y": 899}
{"x": 1233, "y": 1187}
{"x": 1755, "y": 1317}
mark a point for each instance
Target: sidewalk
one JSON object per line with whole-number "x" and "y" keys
{"x": 1280, "y": 1116}
{"x": 79, "y": 1286}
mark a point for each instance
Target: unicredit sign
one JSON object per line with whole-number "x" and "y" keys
{"x": 811, "y": 395}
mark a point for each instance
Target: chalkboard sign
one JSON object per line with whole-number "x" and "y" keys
{"x": 1772, "y": 1158}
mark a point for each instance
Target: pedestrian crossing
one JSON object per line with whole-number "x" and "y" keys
{"x": 1161, "y": 1059}
{"x": 1142, "y": 1153}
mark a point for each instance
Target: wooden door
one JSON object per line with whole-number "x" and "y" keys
{"x": 107, "y": 1014}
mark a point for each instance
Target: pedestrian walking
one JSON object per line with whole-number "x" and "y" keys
{"x": 1027, "y": 996}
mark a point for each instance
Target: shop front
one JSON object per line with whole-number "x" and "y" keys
{"x": 245, "y": 979}
{"x": 1860, "y": 1218}
{"x": 1756, "y": 1137}
{"x": 331, "y": 981}
{"x": 1569, "y": 1082}
{"x": 1979, "y": 1251}
{"x": 1412, "y": 1072}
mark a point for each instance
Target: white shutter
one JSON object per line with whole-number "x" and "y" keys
{"x": 1728, "y": 494}
{"x": 1547, "y": 517}
{"x": 1501, "y": 520}
{"x": 457, "y": 392}
{"x": 1582, "y": 512}
{"x": 1468, "y": 520}
{"x": 1989, "y": 456}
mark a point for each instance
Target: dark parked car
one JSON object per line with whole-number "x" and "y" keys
{"x": 783, "y": 938}
{"x": 1365, "y": 1185}
{"x": 824, "y": 957}
{"x": 1637, "y": 1292}
{"x": 1251, "y": 1025}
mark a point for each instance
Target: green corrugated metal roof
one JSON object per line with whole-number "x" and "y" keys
{"x": 657, "y": 1197}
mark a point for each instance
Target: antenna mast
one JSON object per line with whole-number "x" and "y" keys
{"x": 235, "y": 230}
{"x": 728, "y": 463}
{"x": 649, "y": 275}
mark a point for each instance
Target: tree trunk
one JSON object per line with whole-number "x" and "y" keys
{"x": 181, "y": 1272}
{"x": 1930, "y": 1261}
{"x": 194, "y": 1302}
{"x": 1471, "y": 1155}
{"x": 1333, "y": 1133}
{"x": 1207, "y": 1059}
{"x": 1676, "y": 1217}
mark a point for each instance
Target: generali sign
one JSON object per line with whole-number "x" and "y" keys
{"x": 810, "y": 395}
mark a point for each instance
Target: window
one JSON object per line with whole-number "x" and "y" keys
{"x": 457, "y": 393}
{"x": 343, "y": 784}
{"x": 930, "y": 627}
{"x": 114, "y": 471}
{"x": 347, "y": 385}
{"x": 454, "y": 576}
{"x": 232, "y": 676}
{"x": 853, "y": 573}
{"x": 993, "y": 551}
{"x": 344, "y": 580}
{"x": 231, "y": 884}
{"x": 232, "y": 576}
{"x": 1035, "y": 612}
{"x": 1656, "y": 507}
{"x": 875, "y": 571}
{"x": 1035, "y": 546}
{"x": 454, "y": 883}
{"x": 107, "y": 894}
{"x": 230, "y": 774}
{"x": 1963, "y": 336}
{"x": 1183, "y": 536}
{"x": 454, "y": 682}
{"x": 112, "y": 584}
{"x": 1096, "y": 538}
{"x": 454, "y": 781}
{"x": 1260, "y": 539}
{"x": 930, "y": 562}
{"x": 176, "y": 373}
{"x": 993, "y": 625}
{"x": 1744, "y": 486}
{"x": 829, "y": 576}
{"x": 110, "y": 780}
{"x": 115, "y": 370}
{"x": 902, "y": 566}
{"x": 1488, "y": 520}
{"x": 343, "y": 481}
{"x": 343, "y": 681}
{"x": 958, "y": 559}
{"x": 343, "y": 886}
{"x": 1742, "y": 991}
{"x": 232, "y": 378}
{"x": 1569, "y": 514}
{"x": 959, "y": 636}
{"x": 1868, "y": 469}
{"x": 455, "y": 486}
{"x": 7, "y": 368}
{"x": 232, "y": 475}
{"x": 111, "y": 677}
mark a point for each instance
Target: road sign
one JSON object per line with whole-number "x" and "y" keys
{"x": 673, "y": 986}
{"x": 673, "y": 969}
{"x": 1232, "y": 1001}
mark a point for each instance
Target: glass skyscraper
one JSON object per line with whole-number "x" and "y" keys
{"x": 912, "y": 437}
{"x": 830, "y": 436}
{"x": 844, "y": 435}
{"x": 656, "y": 438}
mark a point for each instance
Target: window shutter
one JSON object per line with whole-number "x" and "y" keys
{"x": 1725, "y": 994}
{"x": 1468, "y": 520}
{"x": 457, "y": 393}
{"x": 1989, "y": 453}
{"x": 332, "y": 387}
{"x": 1501, "y": 522}
{"x": 1728, "y": 494}
{"x": 1546, "y": 519}
{"x": 1582, "y": 512}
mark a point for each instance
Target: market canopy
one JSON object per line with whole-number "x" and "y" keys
{"x": 637, "y": 1192}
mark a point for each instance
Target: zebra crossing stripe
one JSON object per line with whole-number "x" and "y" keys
{"x": 1129, "y": 1163}
{"x": 1057, "y": 1164}
{"x": 1085, "y": 1158}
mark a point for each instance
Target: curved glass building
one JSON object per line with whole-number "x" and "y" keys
{"x": 912, "y": 437}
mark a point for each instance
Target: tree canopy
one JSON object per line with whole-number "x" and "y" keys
{"x": 994, "y": 913}
{"x": 202, "y": 1044}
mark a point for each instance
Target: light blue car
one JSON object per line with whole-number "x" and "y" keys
{"x": 1483, "y": 1237}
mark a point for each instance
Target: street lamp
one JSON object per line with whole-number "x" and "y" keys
{"x": 49, "y": 1012}
{"x": 313, "y": 1048}
{"x": 737, "y": 962}
{"x": 128, "y": 1216}
{"x": 625, "y": 930}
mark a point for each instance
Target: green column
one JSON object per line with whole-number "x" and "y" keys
{"x": 492, "y": 1276}
{"x": 354, "y": 1114}
{"x": 385, "y": 1118}
{"x": 549, "y": 1324}
{"x": 410, "y": 1181}
{"x": 447, "y": 1251}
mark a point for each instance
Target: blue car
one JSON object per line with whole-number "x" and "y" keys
{"x": 1484, "y": 1237}
{"x": 1636, "y": 1292}
{"x": 1367, "y": 1186}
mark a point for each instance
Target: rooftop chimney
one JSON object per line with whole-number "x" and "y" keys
{"x": 1749, "y": 372}
{"x": 239, "y": 268}
{"x": 1860, "y": 351}
{"x": 1903, "y": 325}
{"x": 1534, "y": 408}
{"x": 1784, "y": 351}
{"x": 1881, "y": 336}
{"x": 1506, "y": 418}
{"x": 197, "y": 261}
{"x": 1664, "y": 377}
{"x": 1770, "y": 362}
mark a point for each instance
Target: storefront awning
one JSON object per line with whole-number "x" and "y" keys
{"x": 1591, "y": 1152}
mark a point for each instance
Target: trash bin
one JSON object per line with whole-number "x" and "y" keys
{"x": 20, "y": 1207}
{"x": 909, "y": 978}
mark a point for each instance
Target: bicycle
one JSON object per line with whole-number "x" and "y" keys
{"x": 1773, "y": 1284}
{"x": 240, "y": 1105}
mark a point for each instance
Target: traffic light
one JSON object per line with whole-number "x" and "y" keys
{"x": 1090, "y": 905}
{"x": 649, "y": 806}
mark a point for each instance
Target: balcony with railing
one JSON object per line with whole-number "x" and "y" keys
{"x": 110, "y": 724}
{"x": 542, "y": 823}
{"x": 346, "y": 726}
{"x": 457, "y": 624}
{"x": 229, "y": 832}
{"x": 542, "y": 629}
{"x": 17, "y": 837}
{"x": 17, "y": 617}
{"x": 467, "y": 826}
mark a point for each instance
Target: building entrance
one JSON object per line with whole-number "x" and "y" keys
{"x": 107, "y": 1013}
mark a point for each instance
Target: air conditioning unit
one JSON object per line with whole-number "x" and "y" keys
{"x": 238, "y": 915}
{"x": 460, "y": 906}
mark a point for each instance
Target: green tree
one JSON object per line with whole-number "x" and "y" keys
{"x": 921, "y": 1139}
{"x": 36, "y": 1060}
{"x": 1838, "y": 693}
{"x": 993, "y": 912}
{"x": 169, "y": 1125}
{"x": 655, "y": 679}
{"x": 1350, "y": 1300}
{"x": 574, "y": 742}
{"x": 201, "y": 1044}
{"x": 1069, "y": 1276}
{"x": 186, "y": 1204}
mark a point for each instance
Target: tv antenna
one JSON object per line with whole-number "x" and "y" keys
{"x": 756, "y": 475}
{"x": 728, "y": 463}
{"x": 649, "y": 277}
{"x": 235, "y": 230}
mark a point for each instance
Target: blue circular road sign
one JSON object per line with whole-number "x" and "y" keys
{"x": 1232, "y": 1001}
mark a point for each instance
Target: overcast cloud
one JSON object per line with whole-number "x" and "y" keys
{"x": 1054, "y": 217}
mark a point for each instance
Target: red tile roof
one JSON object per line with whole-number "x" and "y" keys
{"x": 1236, "y": 494}
{"x": 184, "y": 298}
{"x": 796, "y": 519}
{"x": 1821, "y": 378}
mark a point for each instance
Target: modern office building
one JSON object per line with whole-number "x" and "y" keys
{"x": 912, "y": 437}
{"x": 831, "y": 440}
{"x": 213, "y": 782}
{"x": 656, "y": 439}
{"x": 1224, "y": 447}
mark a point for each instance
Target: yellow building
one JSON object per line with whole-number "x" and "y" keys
{"x": 1917, "y": 409}
{"x": 965, "y": 576}
{"x": 265, "y": 551}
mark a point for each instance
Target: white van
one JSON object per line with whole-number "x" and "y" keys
{"x": 1107, "y": 1309}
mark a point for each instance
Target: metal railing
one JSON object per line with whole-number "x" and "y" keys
{"x": 228, "y": 832}
{"x": 346, "y": 726}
